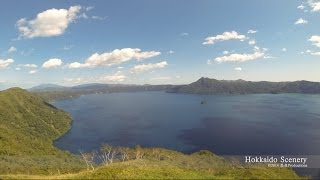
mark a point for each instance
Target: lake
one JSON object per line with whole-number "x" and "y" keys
{"x": 225, "y": 124}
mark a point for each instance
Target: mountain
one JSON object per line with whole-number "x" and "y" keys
{"x": 28, "y": 127}
{"x": 43, "y": 87}
{"x": 213, "y": 86}
{"x": 52, "y": 94}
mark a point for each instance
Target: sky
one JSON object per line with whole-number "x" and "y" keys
{"x": 157, "y": 41}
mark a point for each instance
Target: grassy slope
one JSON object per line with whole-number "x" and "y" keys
{"x": 28, "y": 125}
{"x": 178, "y": 166}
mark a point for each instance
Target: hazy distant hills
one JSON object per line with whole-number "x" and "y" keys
{"x": 44, "y": 87}
{"x": 60, "y": 92}
{"x": 201, "y": 86}
{"x": 213, "y": 86}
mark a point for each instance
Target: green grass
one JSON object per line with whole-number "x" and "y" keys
{"x": 172, "y": 169}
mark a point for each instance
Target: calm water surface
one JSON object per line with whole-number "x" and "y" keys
{"x": 226, "y": 124}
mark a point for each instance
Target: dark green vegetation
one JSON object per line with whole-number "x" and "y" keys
{"x": 213, "y": 86}
{"x": 28, "y": 125}
{"x": 201, "y": 86}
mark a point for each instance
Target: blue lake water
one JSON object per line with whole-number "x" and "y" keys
{"x": 226, "y": 124}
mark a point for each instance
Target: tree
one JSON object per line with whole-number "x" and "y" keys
{"x": 107, "y": 154}
{"x": 88, "y": 158}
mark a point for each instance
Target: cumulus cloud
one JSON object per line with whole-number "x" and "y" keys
{"x": 251, "y": 31}
{"x": 18, "y": 69}
{"x": 148, "y": 67}
{"x": 33, "y": 71}
{"x": 170, "y": 52}
{"x": 314, "y": 5}
{"x": 301, "y": 21}
{"x": 301, "y": 7}
{"x": 52, "y": 63}
{"x": 284, "y": 49}
{"x": 315, "y": 40}
{"x": 224, "y": 37}
{"x": 241, "y": 57}
{"x": 252, "y": 42}
{"x": 12, "y": 49}
{"x": 225, "y": 52}
{"x": 315, "y": 53}
{"x": 238, "y": 69}
{"x": 52, "y": 22}
{"x": 184, "y": 34}
{"x": 311, "y": 52}
{"x": 116, "y": 56}
{"x": 28, "y": 65}
{"x": 117, "y": 77}
{"x": 5, "y": 63}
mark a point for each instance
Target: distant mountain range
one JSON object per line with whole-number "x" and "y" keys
{"x": 213, "y": 86}
{"x": 201, "y": 86}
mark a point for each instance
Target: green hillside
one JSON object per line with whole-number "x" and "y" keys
{"x": 28, "y": 126}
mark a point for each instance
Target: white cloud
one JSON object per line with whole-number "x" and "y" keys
{"x": 170, "y": 52}
{"x": 314, "y": 5}
{"x": 99, "y": 18}
{"x": 184, "y": 34}
{"x": 148, "y": 67}
{"x": 225, "y": 52}
{"x": 238, "y": 69}
{"x": 209, "y": 62}
{"x": 315, "y": 53}
{"x": 284, "y": 49}
{"x": 301, "y": 21}
{"x": 12, "y": 49}
{"x": 28, "y": 65}
{"x": 33, "y": 71}
{"x": 52, "y": 63}
{"x": 252, "y": 42}
{"x": 68, "y": 47}
{"x": 76, "y": 65}
{"x": 252, "y": 31}
{"x": 5, "y": 63}
{"x": 18, "y": 69}
{"x": 311, "y": 52}
{"x": 301, "y": 6}
{"x": 117, "y": 77}
{"x": 315, "y": 40}
{"x": 52, "y": 22}
{"x": 224, "y": 37}
{"x": 241, "y": 57}
{"x": 268, "y": 57}
{"x": 117, "y": 56}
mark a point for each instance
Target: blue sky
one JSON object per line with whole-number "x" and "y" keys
{"x": 157, "y": 42}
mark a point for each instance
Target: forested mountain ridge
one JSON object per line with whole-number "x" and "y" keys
{"x": 214, "y": 86}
